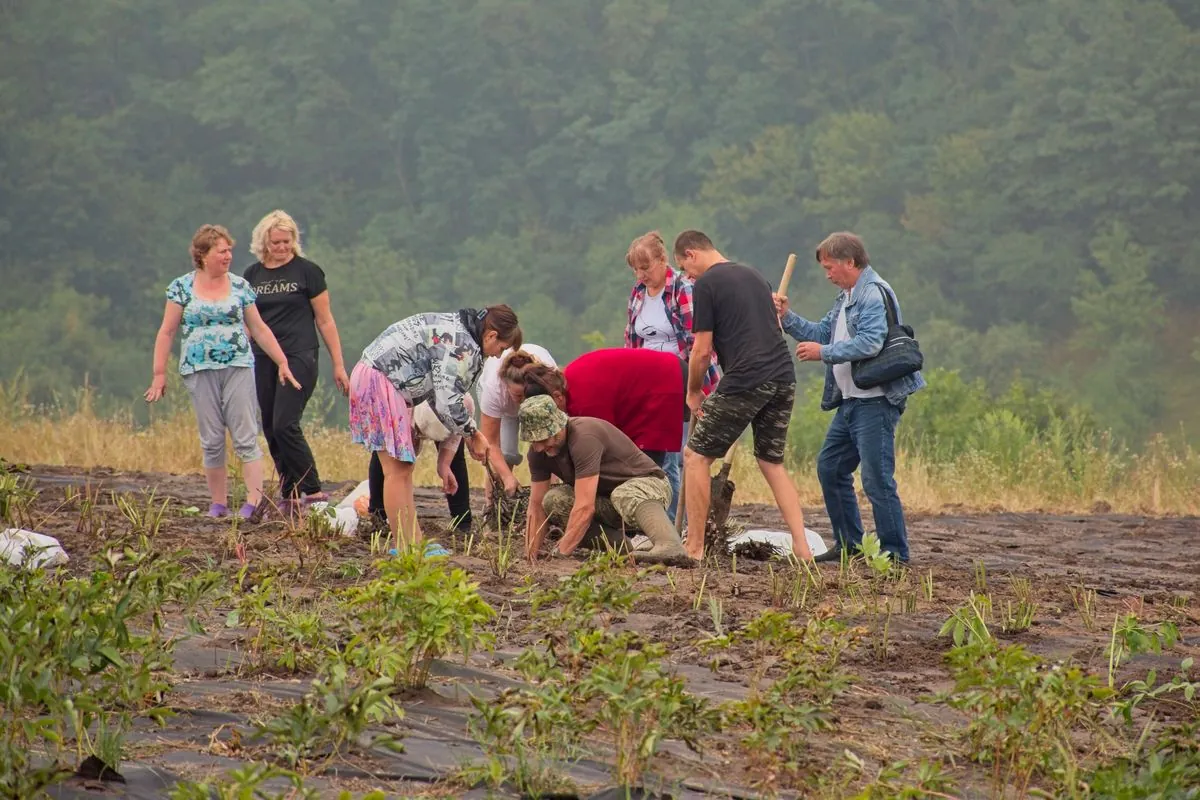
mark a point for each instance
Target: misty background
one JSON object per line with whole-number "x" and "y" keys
{"x": 1025, "y": 173}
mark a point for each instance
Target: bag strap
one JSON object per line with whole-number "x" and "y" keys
{"x": 889, "y": 307}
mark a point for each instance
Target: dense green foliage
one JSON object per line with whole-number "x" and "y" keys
{"x": 1025, "y": 172}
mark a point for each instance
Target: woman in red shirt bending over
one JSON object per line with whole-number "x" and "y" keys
{"x": 641, "y": 392}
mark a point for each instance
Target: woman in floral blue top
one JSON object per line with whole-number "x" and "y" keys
{"x": 215, "y": 309}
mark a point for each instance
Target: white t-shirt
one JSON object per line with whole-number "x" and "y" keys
{"x": 494, "y": 399}
{"x": 654, "y": 326}
{"x": 841, "y": 372}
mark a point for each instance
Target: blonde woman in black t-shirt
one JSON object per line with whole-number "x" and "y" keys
{"x": 294, "y": 302}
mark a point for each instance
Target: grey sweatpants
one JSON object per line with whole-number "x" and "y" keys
{"x": 509, "y": 443}
{"x": 225, "y": 399}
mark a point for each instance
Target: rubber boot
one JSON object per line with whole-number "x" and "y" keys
{"x": 652, "y": 518}
{"x": 603, "y": 537}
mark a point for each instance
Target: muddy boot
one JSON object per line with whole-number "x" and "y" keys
{"x": 652, "y": 518}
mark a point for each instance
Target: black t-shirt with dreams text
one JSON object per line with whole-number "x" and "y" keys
{"x": 285, "y": 301}
{"x": 734, "y": 302}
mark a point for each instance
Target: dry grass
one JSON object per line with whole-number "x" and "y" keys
{"x": 1163, "y": 480}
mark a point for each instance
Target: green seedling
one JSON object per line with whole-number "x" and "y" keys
{"x": 716, "y": 610}
{"x": 1023, "y": 712}
{"x": 969, "y": 623}
{"x": 428, "y": 609}
{"x": 1084, "y": 600}
{"x": 16, "y": 499}
{"x": 981, "y": 579}
{"x": 1130, "y": 638}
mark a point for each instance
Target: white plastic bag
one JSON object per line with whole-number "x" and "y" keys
{"x": 362, "y": 490}
{"x": 342, "y": 520}
{"x": 782, "y": 540}
{"x": 21, "y": 547}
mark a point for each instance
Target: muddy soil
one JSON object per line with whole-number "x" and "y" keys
{"x": 1147, "y": 565}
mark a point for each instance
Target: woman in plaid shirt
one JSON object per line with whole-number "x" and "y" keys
{"x": 660, "y": 318}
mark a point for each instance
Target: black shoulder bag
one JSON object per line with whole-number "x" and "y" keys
{"x": 900, "y": 356}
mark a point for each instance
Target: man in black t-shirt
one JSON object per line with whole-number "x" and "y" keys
{"x": 733, "y": 312}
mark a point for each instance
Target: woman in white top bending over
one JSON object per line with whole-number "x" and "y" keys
{"x": 501, "y": 388}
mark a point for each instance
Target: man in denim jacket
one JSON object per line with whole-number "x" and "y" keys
{"x": 863, "y": 430}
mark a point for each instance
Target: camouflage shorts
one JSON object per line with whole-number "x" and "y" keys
{"x": 767, "y": 409}
{"x": 615, "y": 511}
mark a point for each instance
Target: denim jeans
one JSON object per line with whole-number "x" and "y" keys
{"x": 673, "y": 466}
{"x": 863, "y": 432}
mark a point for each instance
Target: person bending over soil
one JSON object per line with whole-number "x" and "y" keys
{"x": 607, "y": 485}
{"x": 434, "y": 358}
{"x": 638, "y": 391}
{"x": 501, "y": 390}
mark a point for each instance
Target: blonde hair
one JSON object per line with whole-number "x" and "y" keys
{"x": 262, "y": 232}
{"x": 649, "y": 246}
{"x": 205, "y": 239}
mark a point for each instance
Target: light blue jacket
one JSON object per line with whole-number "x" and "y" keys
{"x": 866, "y": 321}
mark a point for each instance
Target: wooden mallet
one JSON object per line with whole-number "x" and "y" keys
{"x": 786, "y": 279}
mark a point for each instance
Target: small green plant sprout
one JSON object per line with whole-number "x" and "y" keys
{"x": 769, "y": 635}
{"x": 1023, "y": 712}
{"x": 1018, "y": 617}
{"x": 808, "y": 584}
{"x": 1134, "y": 693}
{"x": 84, "y": 656}
{"x": 245, "y": 782}
{"x": 605, "y": 586}
{"x": 287, "y": 635}
{"x": 981, "y": 578}
{"x": 809, "y": 677}
{"x": 927, "y": 586}
{"x": 698, "y": 600}
{"x": 969, "y": 623}
{"x": 427, "y": 609}
{"x": 528, "y": 735}
{"x": 1130, "y": 638}
{"x": 628, "y": 693}
{"x": 716, "y": 610}
{"x": 873, "y": 554}
{"x": 335, "y": 716}
{"x": 903, "y": 781}
{"x": 144, "y": 516}
{"x": 1166, "y": 768}
{"x": 506, "y": 550}
{"x": 1084, "y": 600}
{"x": 16, "y": 498}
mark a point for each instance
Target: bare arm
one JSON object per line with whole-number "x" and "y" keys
{"x": 329, "y": 332}
{"x": 535, "y": 519}
{"x": 266, "y": 340}
{"x": 491, "y": 429}
{"x": 581, "y": 513}
{"x": 172, "y": 315}
{"x": 698, "y": 363}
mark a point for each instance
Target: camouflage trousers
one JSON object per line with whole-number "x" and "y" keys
{"x": 615, "y": 511}
{"x": 767, "y": 409}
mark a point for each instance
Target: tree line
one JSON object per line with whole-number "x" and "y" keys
{"x": 1025, "y": 172}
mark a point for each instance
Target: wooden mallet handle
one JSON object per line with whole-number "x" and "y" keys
{"x": 787, "y": 275}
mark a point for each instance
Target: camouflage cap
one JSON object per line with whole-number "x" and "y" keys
{"x": 540, "y": 418}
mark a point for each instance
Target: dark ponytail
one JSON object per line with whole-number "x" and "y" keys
{"x": 503, "y": 320}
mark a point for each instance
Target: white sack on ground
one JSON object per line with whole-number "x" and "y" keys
{"x": 782, "y": 540}
{"x": 362, "y": 490}
{"x": 19, "y": 546}
{"x": 342, "y": 520}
